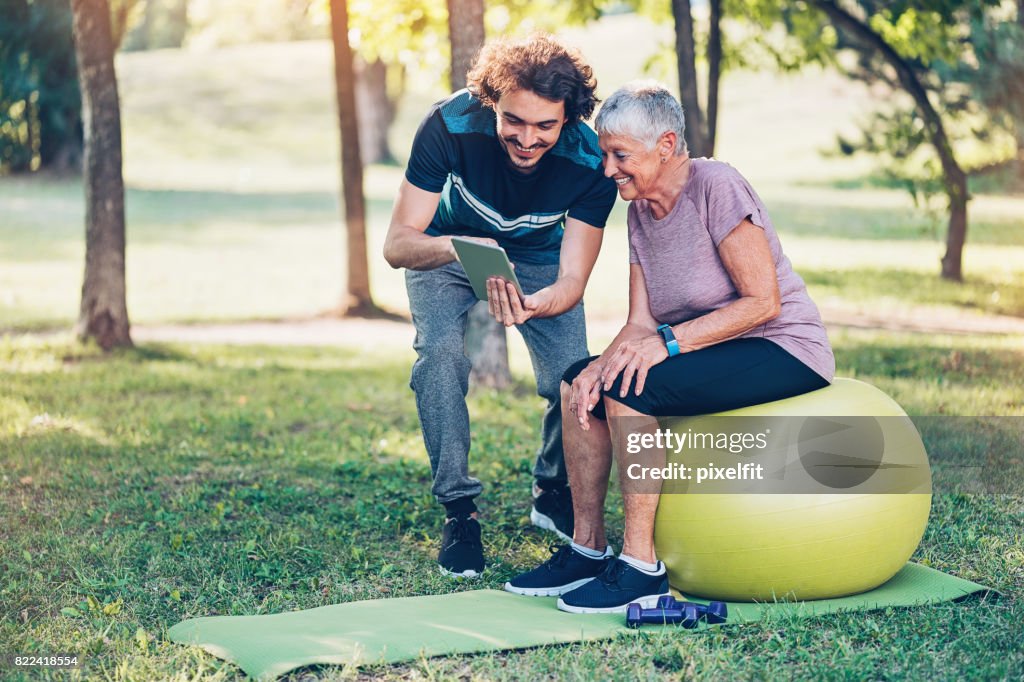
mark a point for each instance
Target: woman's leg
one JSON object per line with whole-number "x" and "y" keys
{"x": 588, "y": 462}
{"x": 640, "y": 507}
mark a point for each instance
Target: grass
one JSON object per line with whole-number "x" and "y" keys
{"x": 171, "y": 481}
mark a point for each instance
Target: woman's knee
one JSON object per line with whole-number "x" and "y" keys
{"x": 565, "y": 391}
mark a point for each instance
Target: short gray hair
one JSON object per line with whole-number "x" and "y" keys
{"x": 643, "y": 110}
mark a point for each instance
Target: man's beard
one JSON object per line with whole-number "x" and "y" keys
{"x": 511, "y": 146}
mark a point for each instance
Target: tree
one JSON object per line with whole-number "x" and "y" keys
{"x": 357, "y": 299}
{"x": 861, "y": 33}
{"x": 686, "y": 56}
{"x": 378, "y": 107}
{"x": 701, "y": 117}
{"x": 919, "y": 50}
{"x": 104, "y": 311}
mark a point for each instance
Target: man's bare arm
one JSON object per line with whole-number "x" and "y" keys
{"x": 407, "y": 244}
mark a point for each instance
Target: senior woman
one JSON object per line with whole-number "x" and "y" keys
{"x": 717, "y": 320}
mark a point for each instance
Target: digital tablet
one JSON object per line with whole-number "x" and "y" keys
{"x": 481, "y": 261}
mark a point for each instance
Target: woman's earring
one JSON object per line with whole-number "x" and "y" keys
{"x": 664, "y": 159}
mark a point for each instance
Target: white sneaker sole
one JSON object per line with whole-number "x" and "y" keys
{"x": 648, "y": 602}
{"x": 468, "y": 573}
{"x": 546, "y": 591}
{"x": 545, "y": 522}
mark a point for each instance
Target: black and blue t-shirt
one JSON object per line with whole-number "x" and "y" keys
{"x": 457, "y": 152}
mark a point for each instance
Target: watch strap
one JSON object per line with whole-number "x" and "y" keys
{"x": 671, "y": 343}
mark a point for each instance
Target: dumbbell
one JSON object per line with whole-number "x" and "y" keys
{"x": 714, "y": 613}
{"x": 682, "y": 614}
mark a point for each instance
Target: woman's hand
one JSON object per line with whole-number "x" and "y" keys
{"x": 634, "y": 358}
{"x": 586, "y": 391}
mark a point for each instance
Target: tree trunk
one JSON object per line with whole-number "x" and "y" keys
{"x": 714, "y": 70}
{"x": 466, "y": 35}
{"x": 177, "y": 20}
{"x": 954, "y": 179}
{"x": 104, "y": 311}
{"x": 357, "y": 299}
{"x": 486, "y": 340}
{"x": 1019, "y": 123}
{"x": 376, "y": 111}
{"x": 686, "y": 61}
{"x": 956, "y": 232}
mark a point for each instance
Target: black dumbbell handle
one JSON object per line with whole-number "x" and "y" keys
{"x": 714, "y": 613}
{"x": 686, "y": 616}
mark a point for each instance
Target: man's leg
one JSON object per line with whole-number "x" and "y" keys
{"x": 440, "y": 300}
{"x": 588, "y": 458}
{"x": 554, "y": 343}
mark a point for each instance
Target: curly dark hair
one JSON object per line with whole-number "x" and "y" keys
{"x": 540, "y": 64}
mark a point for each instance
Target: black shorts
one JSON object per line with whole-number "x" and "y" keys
{"x": 725, "y": 376}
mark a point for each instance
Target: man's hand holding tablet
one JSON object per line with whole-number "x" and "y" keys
{"x": 492, "y": 277}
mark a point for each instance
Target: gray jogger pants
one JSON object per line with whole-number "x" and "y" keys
{"x": 440, "y": 300}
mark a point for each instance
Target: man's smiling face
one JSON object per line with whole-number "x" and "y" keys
{"x": 528, "y": 126}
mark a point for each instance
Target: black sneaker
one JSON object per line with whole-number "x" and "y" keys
{"x": 462, "y": 553}
{"x": 566, "y": 570}
{"x": 552, "y": 510}
{"x": 618, "y": 586}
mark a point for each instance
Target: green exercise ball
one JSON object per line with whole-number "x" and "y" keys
{"x": 842, "y": 507}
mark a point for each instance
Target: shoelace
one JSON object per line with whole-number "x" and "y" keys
{"x": 462, "y": 532}
{"x": 559, "y": 556}
{"x": 611, "y": 574}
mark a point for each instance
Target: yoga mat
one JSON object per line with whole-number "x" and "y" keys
{"x": 396, "y": 630}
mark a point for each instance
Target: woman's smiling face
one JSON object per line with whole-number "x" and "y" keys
{"x": 632, "y": 166}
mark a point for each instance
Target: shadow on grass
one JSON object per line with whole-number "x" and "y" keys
{"x": 977, "y": 292}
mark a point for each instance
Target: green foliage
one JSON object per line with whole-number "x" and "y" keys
{"x": 40, "y": 120}
{"x": 957, "y": 49}
{"x": 40, "y": 104}
{"x": 996, "y": 80}
{"x": 413, "y": 34}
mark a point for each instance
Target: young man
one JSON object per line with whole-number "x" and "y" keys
{"x": 506, "y": 161}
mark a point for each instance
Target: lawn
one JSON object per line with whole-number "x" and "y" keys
{"x": 171, "y": 481}
{"x": 177, "y": 481}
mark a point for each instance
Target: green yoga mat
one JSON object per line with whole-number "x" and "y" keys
{"x": 395, "y": 630}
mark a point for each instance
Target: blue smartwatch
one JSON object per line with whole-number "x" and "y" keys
{"x": 670, "y": 339}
